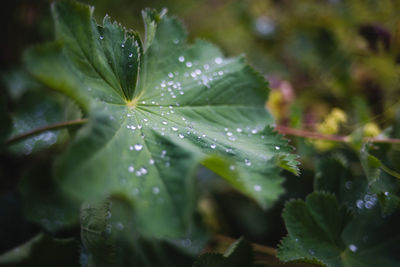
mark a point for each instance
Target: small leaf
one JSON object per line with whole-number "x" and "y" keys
{"x": 238, "y": 254}
{"x": 322, "y": 231}
{"x": 155, "y": 113}
{"x": 43, "y": 250}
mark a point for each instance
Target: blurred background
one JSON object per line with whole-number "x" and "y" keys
{"x": 333, "y": 68}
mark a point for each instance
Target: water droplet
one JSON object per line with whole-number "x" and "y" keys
{"x": 181, "y": 59}
{"x": 143, "y": 171}
{"x": 138, "y": 147}
{"x": 247, "y": 162}
{"x": 369, "y": 204}
{"x": 312, "y": 252}
{"x": 239, "y": 130}
{"x": 130, "y": 55}
{"x": 353, "y": 248}
{"x": 122, "y": 45}
{"x": 360, "y": 204}
{"x": 101, "y": 37}
{"x": 386, "y": 193}
{"x": 155, "y": 190}
{"x": 218, "y": 60}
{"x": 232, "y": 167}
{"x": 220, "y": 73}
{"x": 213, "y": 146}
{"x": 119, "y": 226}
{"x": 277, "y": 147}
{"x": 257, "y": 188}
{"x": 131, "y": 168}
{"x": 189, "y": 64}
{"x": 131, "y": 148}
{"x": 229, "y": 134}
{"x": 151, "y": 161}
{"x": 164, "y": 122}
{"x": 171, "y": 75}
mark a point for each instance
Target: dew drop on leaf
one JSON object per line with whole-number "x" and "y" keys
{"x": 138, "y": 147}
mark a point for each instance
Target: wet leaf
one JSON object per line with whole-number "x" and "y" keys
{"x": 320, "y": 230}
{"x": 155, "y": 111}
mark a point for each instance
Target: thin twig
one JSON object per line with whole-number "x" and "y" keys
{"x": 46, "y": 128}
{"x": 328, "y": 137}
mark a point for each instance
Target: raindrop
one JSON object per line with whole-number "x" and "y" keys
{"x": 155, "y": 190}
{"x": 151, "y": 161}
{"x": 181, "y": 59}
{"x": 131, "y": 148}
{"x": 143, "y": 171}
{"x": 239, "y": 130}
{"x": 189, "y": 64}
{"x": 220, "y": 73}
{"x": 171, "y": 75}
{"x": 173, "y": 128}
{"x": 360, "y": 204}
{"x": 353, "y": 248}
{"x": 386, "y": 193}
{"x": 232, "y": 167}
{"x": 130, "y": 55}
{"x": 131, "y": 168}
{"x": 101, "y": 37}
{"x": 312, "y": 252}
{"x": 213, "y": 146}
{"x": 164, "y": 122}
{"x": 247, "y": 162}
{"x": 119, "y": 226}
{"x": 138, "y": 147}
{"x": 277, "y": 147}
{"x": 229, "y": 134}
{"x": 181, "y": 136}
{"x": 257, "y": 188}
{"x": 122, "y": 45}
{"x": 218, "y": 60}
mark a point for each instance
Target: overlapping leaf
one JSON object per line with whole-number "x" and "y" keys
{"x": 322, "y": 230}
{"x": 155, "y": 110}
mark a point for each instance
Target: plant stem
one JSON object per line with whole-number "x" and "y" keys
{"x": 280, "y": 128}
{"x": 328, "y": 137}
{"x": 46, "y": 128}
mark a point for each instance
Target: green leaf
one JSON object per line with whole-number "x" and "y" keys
{"x": 43, "y": 250}
{"x": 110, "y": 238}
{"x": 36, "y": 109}
{"x": 322, "y": 231}
{"x": 154, "y": 113}
{"x": 238, "y": 254}
{"x": 44, "y": 203}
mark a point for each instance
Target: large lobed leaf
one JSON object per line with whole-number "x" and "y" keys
{"x": 156, "y": 110}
